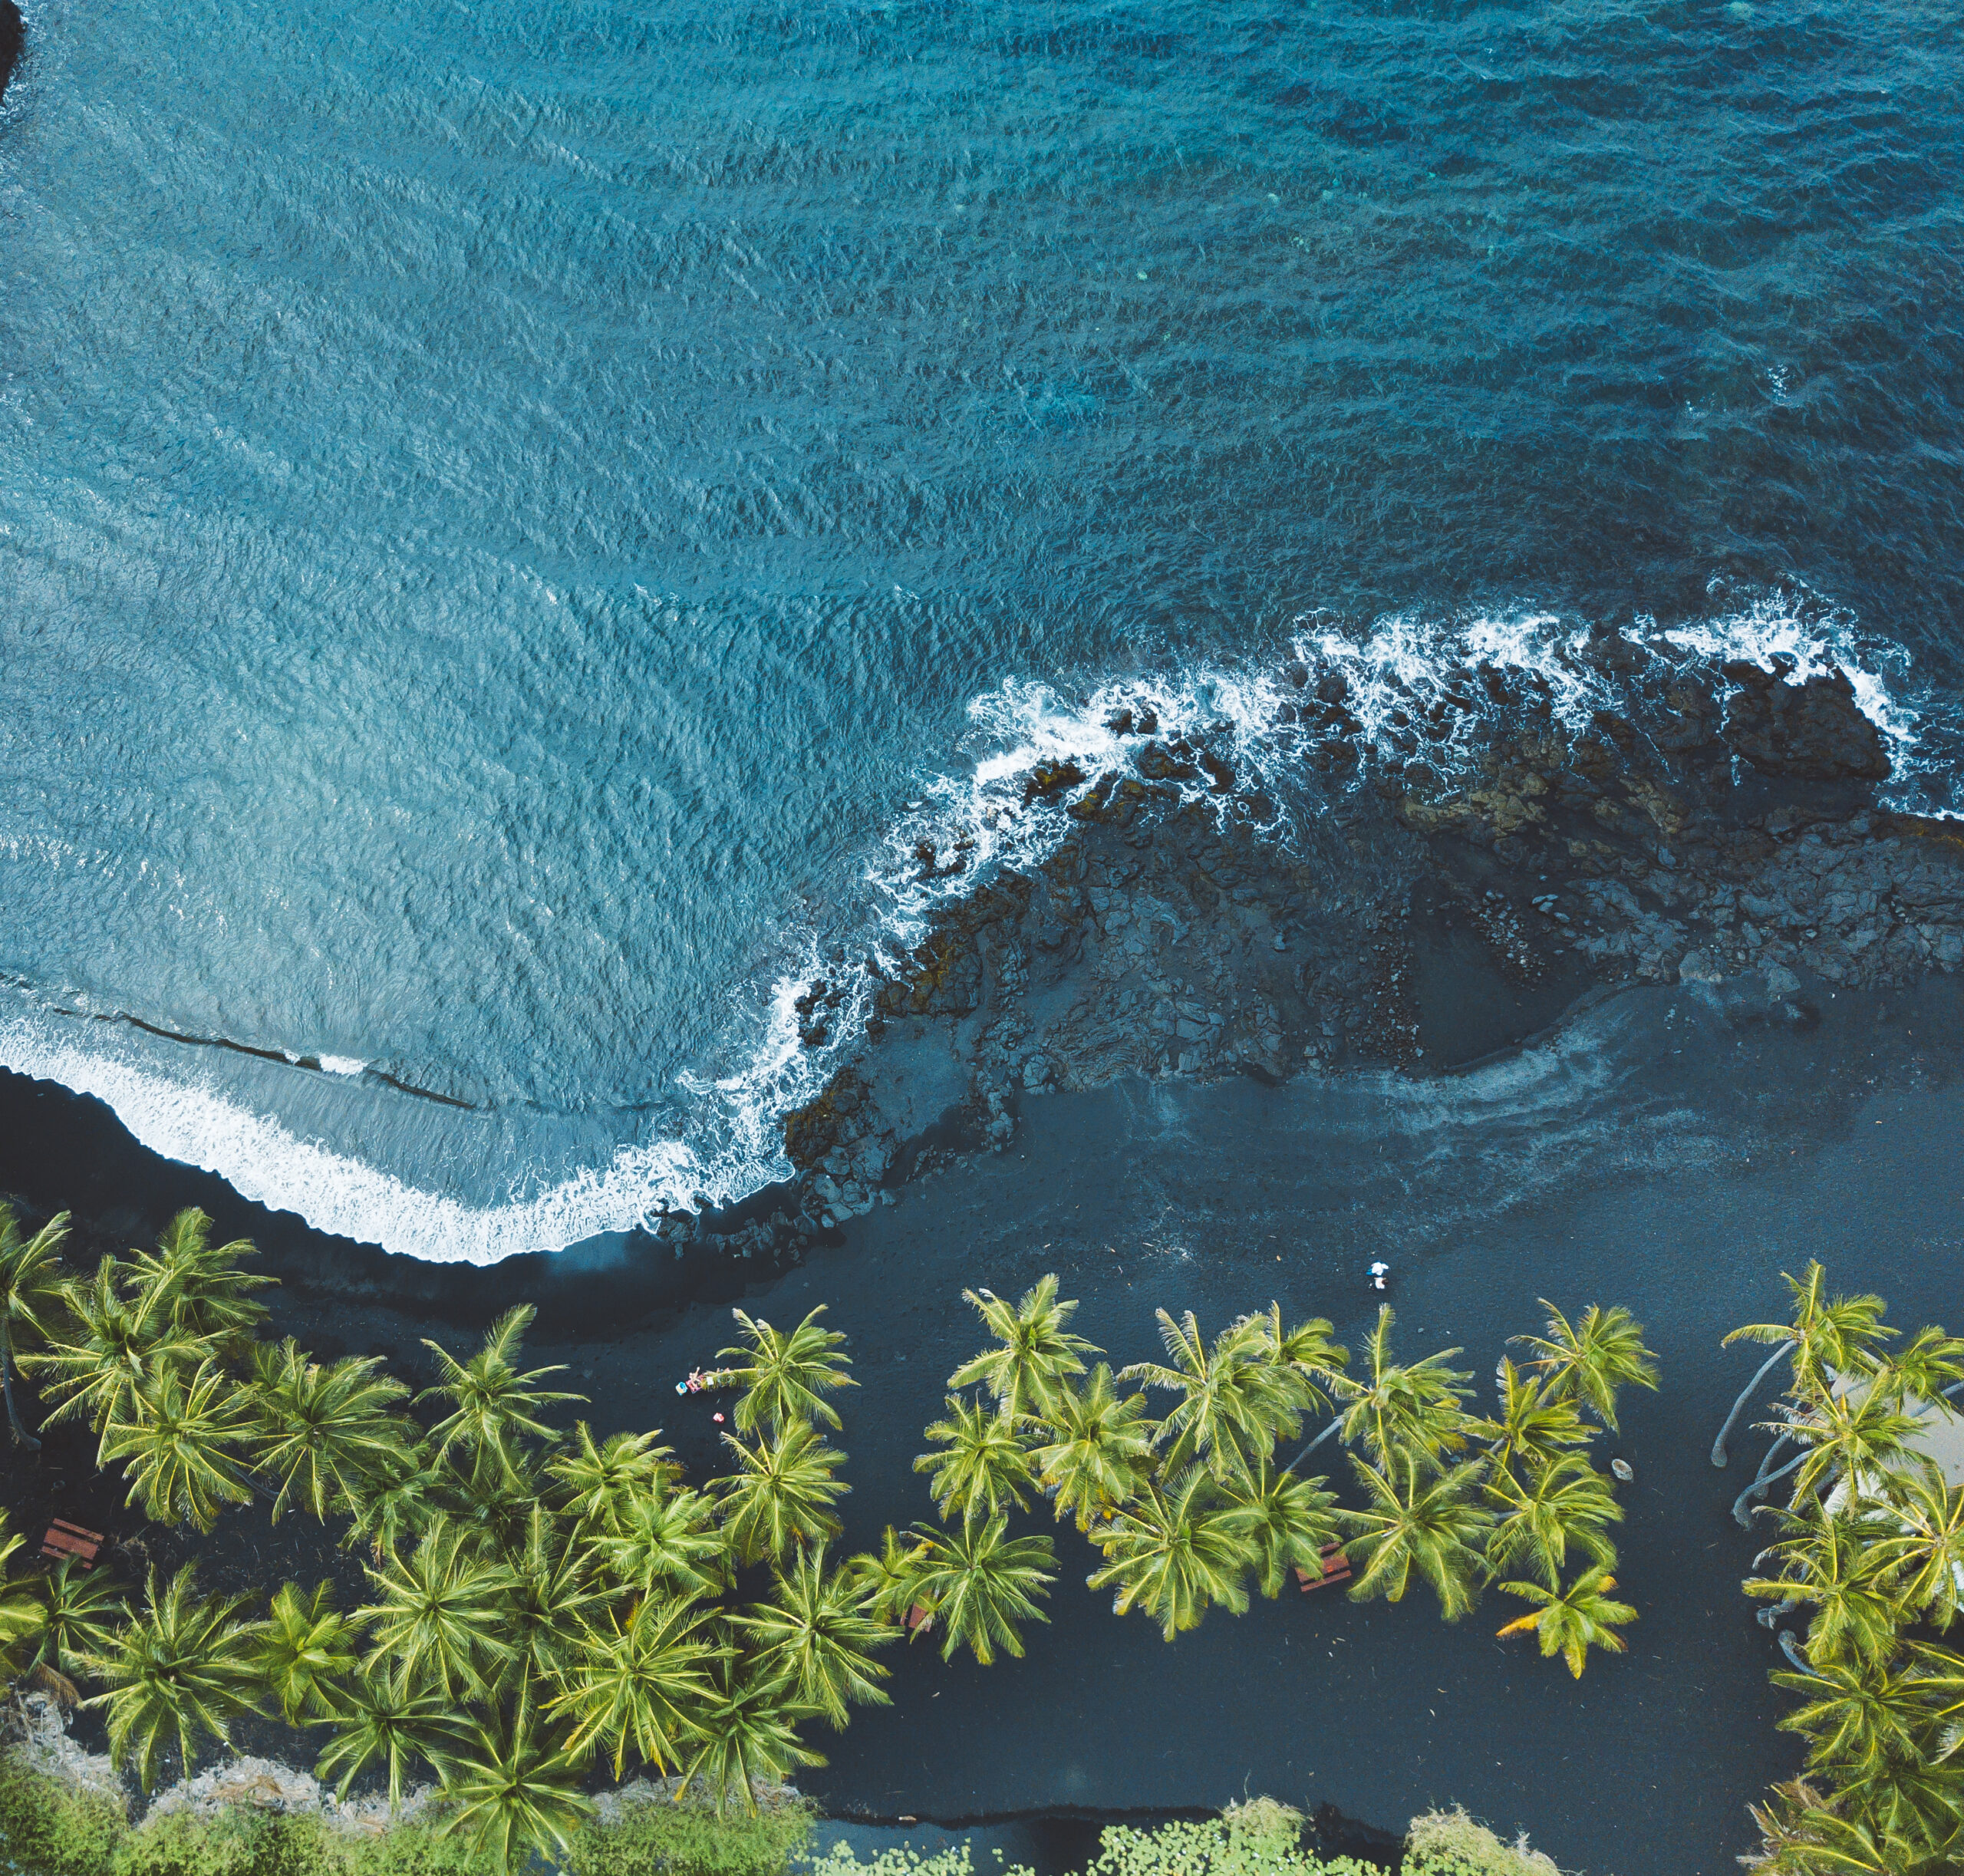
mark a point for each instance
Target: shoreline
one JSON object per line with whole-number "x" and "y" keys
{"x": 1600, "y": 1165}
{"x": 1397, "y": 1045}
{"x": 1378, "y": 867}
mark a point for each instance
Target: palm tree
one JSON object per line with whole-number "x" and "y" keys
{"x": 382, "y": 1722}
{"x": 1826, "y": 1335}
{"x": 196, "y": 1287}
{"x": 439, "y": 1618}
{"x": 1534, "y": 1423}
{"x": 1804, "y": 1833}
{"x": 1564, "y": 1502}
{"x": 306, "y": 1649}
{"x": 1858, "y": 1718}
{"x": 1420, "y": 1518}
{"x": 1915, "y": 1805}
{"x": 816, "y": 1626}
{"x": 669, "y": 1545}
{"x": 1398, "y": 1408}
{"x": 1929, "y": 1364}
{"x": 23, "y": 1609}
{"x": 1939, "y": 1679}
{"x": 748, "y": 1725}
{"x": 1234, "y": 1400}
{"x": 599, "y": 1482}
{"x": 640, "y": 1684}
{"x": 1929, "y": 1550}
{"x": 546, "y": 1604}
{"x": 983, "y": 1467}
{"x": 783, "y": 1492}
{"x": 1100, "y": 1450}
{"x": 181, "y": 1669}
{"x": 981, "y": 1582}
{"x": 108, "y": 1347}
{"x": 1173, "y": 1553}
{"x": 396, "y": 1504}
{"x": 1592, "y": 1360}
{"x": 492, "y": 1403}
{"x": 1035, "y": 1353}
{"x": 29, "y": 1292}
{"x": 83, "y": 1608}
{"x": 1860, "y": 1435}
{"x": 323, "y": 1432}
{"x": 1571, "y": 1621}
{"x": 178, "y": 1432}
{"x": 787, "y": 1377}
{"x": 515, "y": 1789}
{"x": 1836, "y": 1564}
{"x": 1309, "y": 1354}
{"x": 888, "y": 1583}
{"x": 1283, "y": 1522}
{"x": 492, "y": 1503}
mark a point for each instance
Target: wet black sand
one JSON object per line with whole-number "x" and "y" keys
{"x": 1654, "y": 1153}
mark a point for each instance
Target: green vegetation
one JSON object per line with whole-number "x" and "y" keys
{"x": 688, "y": 1841}
{"x": 1870, "y": 1546}
{"x": 537, "y": 1600}
{"x": 46, "y": 1829}
{"x": 1191, "y": 1512}
{"x": 1449, "y": 1843}
{"x": 542, "y": 1602}
{"x": 1258, "y": 1839}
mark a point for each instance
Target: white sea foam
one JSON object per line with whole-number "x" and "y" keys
{"x": 1772, "y": 628}
{"x": 975, "y": 823}
{"x": 978, "y": 821}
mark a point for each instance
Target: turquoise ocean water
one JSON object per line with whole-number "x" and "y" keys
{"x": 511, "y": 518}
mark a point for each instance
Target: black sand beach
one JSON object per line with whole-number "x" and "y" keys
{"x": 1658, "y": 1151}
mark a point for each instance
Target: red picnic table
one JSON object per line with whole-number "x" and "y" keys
{"x": 1336, "y": 1569}
{"x": 66, "y": 1540}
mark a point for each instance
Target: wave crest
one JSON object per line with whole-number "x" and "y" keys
{"x": 965, "y": 826}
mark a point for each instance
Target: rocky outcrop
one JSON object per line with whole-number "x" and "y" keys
{"x": 1720, "y": 825}
{"x": 11, "y": 37}
{"x": 1814, "y": 731}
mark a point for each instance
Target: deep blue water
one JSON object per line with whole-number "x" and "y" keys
{"x": 502, "y": 508}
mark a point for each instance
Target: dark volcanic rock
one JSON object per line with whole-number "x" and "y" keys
{"x": 10, "y": 41}
{"x": 1812, "y": 731}
{"x": 1406, "y": 913}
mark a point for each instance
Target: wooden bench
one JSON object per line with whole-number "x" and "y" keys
{"x": 66, "y": 1540}
{"x": 1336, "y": 1569}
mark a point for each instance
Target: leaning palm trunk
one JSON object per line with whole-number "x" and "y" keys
{"x": 1313, "y": 1444}
{"x": 1739, "y": 1406}
{"x": 1764, "y": 1483}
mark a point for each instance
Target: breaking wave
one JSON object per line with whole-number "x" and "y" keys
{"x": 968, "y": 824}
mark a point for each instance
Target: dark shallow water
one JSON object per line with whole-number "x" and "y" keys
{"x": 500, "y": 509}
{"x": 1654, "y": 1155}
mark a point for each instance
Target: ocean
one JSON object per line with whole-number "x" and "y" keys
{"x": 514, "y": 522}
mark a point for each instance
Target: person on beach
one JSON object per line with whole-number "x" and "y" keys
{"x": 1379, "y": 1272}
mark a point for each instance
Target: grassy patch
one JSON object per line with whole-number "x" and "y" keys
{"x": 687, "y": 1840}
{"x": 47, "y": 1829}
{"x": 1449, "y": 1843}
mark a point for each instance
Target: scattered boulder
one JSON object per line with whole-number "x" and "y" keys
{"x": 1813, "y": 731}
{"x": 1696, "y": 967}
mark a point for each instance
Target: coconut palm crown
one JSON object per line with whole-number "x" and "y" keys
{"x": 787, "y": 1377}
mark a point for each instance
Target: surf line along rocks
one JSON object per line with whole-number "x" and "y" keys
{"x": 1721, "y": 822}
